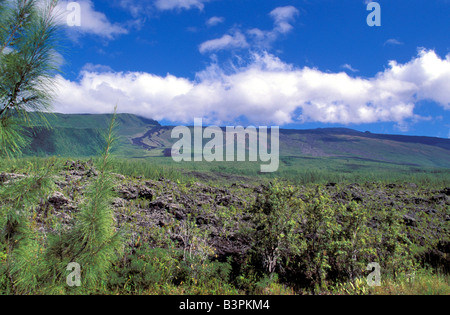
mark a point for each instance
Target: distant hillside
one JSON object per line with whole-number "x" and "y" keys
{"x": 338, "y": 143}
{"x": 347, "y": 143}
{"x": 128, "y": 123}
{"x": 80, "y": 135}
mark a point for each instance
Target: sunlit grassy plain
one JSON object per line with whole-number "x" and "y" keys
{"x": 295, "y": 170}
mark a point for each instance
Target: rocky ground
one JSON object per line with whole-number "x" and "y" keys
{"x": 221, "y": 213}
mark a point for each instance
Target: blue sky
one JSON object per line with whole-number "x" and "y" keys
{"x": 295, "y": 64}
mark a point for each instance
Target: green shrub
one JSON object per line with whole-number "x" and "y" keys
{"x": 145, "y": 269}
{"x": 275, "y": 215}
{"x": 20, "y": 242}
{"x": 312, "y": 241}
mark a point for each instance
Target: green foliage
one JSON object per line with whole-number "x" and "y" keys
{"x": 151, "y": 169}
{"x": 211, "y": 277}
{"x": 275, "y": 214}
{"x": 319, "y": 233}
{"x": 154, "y": 270}
{"x": 28, "y": 42}
{"x": 93, "y": 242}
{"x": 304, "y": 239}
{"x": 194, "y": 241}
{"x": 421, "y": 282}
{"x": 36, "y": 262}
{"x": 145, "y": 269}
{"x": 394, "y": 248}
{"x": 12, "y": 137}
{"x": 28, "y": 39}
{"x": 353, "y": 250}
{"x": 21, "y": 254}
{"x": 310, "y": 240}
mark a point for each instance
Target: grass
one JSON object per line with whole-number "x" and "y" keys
{"x": 295, "y": 170}
{"x": 422, "y": 283}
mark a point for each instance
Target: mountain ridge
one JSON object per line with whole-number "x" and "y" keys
{"x": 79, "y": 134}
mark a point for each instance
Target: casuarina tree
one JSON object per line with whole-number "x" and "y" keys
{"x": 29, "y": 37}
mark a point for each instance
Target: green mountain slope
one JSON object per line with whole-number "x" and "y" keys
{"x": 338, "y": 144}
{"x": 80, "y": 135}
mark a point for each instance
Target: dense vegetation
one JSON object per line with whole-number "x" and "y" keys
{"x": 152, "y": 235}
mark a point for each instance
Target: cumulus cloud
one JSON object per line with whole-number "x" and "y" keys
{"x": 266, "y": 91}
{"x": 92, "y": 21}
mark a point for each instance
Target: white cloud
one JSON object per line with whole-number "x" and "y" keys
{"x": 429, "y": 74}
{"x": 266, "y": 91}
{"x": 136, "y": 8}
{"x": 141, "y": 8}
{"x": 236, "y": 40}
{"x": 92, "y": 21}
{"x": 89, "y": 67}
{"x": 349, "y": 67}
{"x": 282, "y": 16}
{"x": 180, "y": 4}
{"x": 393, "y": 41}
{"x": 215, "y": 20}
